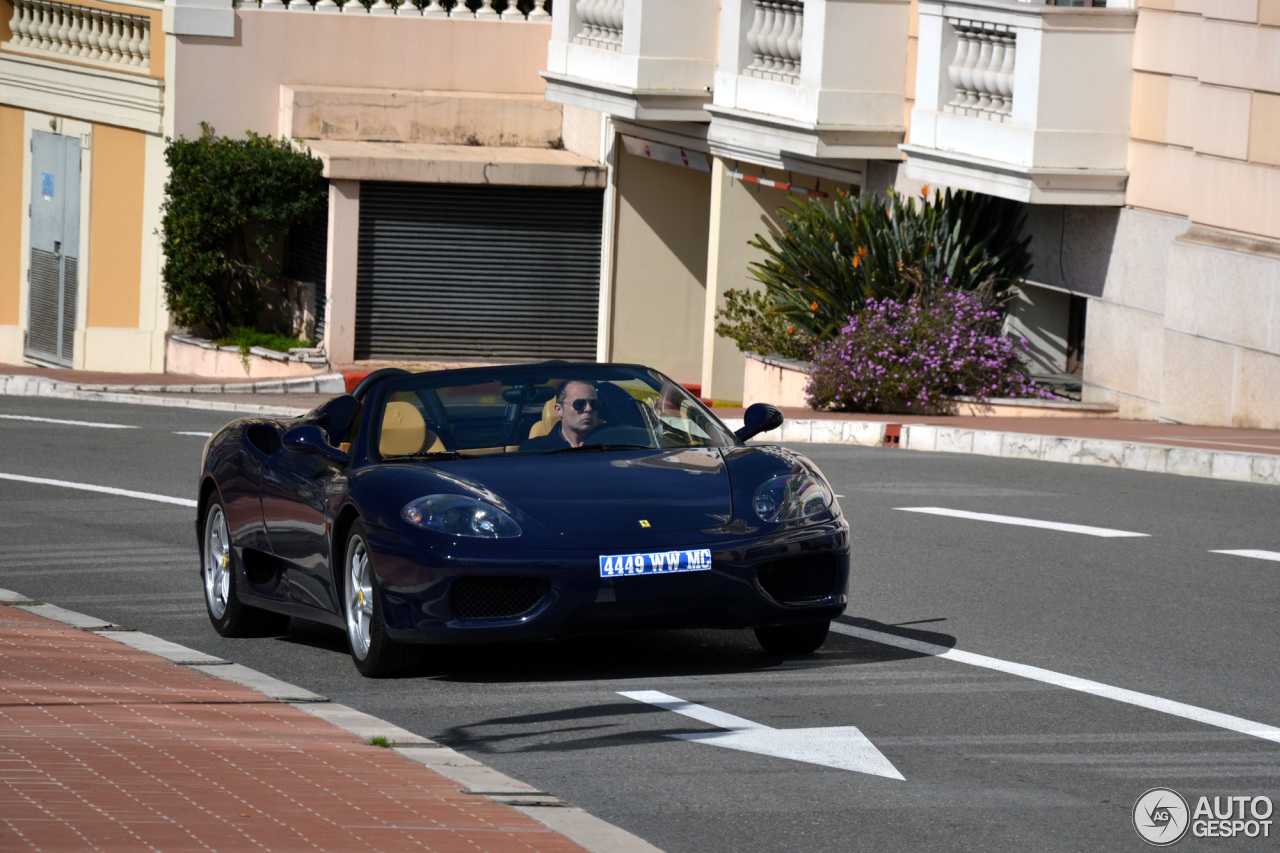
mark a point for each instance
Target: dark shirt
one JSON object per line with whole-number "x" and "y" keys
{"x": 553, "y": 440}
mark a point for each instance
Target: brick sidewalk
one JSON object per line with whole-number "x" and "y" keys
{"x": 105, "y": 747}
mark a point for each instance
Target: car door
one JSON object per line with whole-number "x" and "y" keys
{"x": 298, "y": 490}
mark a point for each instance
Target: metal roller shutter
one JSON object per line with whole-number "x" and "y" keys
{"x": 462, "y": 271}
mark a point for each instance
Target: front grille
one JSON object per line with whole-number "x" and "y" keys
{"x": 496, "y": 598}
{"x": 800, "y": 579}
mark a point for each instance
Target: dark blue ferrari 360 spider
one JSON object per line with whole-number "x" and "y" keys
{"x": 521, "y": 502}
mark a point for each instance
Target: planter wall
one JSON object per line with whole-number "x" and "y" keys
{"x": 196, "y": 357}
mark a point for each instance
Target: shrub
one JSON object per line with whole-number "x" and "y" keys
{"x": 827, "y": 259}
{"x": 227, "y": 207}
{"x": 747, "y": 320}
{"x": 896, "y": 356}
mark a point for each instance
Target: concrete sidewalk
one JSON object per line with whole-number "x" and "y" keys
{"x": 104, "y": 745}
{"x": 1240, "y": 455}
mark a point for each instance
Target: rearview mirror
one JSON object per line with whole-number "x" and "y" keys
{"x": 310, "y": 438}
{"x": 759, "y": 417}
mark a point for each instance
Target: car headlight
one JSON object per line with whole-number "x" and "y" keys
{"x": 459, "y": 515}
{"x": 788, "y": 497}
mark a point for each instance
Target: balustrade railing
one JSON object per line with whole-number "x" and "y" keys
{"x": 982, "y": 70}
{"x": 512, "y": 10}
{"x": 92, "y": 36}
{"x": 601, "y": 23}
{"x": 774, "y": 39}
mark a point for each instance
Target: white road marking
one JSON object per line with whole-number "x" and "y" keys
{"x": 194, "y": 432}
{"x": 106, "y": 490}
{"x": 841, "y": 747}
{"x": 1022, "y": 522}
{"x": 1070, "y": 682}
{"x": 68, "y": 423}
{"x": 1257, "y": 555}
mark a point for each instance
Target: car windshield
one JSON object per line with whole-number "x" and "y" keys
{"x": 538, "y": 409}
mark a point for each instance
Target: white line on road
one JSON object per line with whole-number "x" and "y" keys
{"x": 106, "y": 490}
{"x": 1257, "y": 555}
{"x": 68, "y": 423}
{"x": 1070, "y": 682}
{"x": 194, "y": 432}
{"x": 1022, "y": 522}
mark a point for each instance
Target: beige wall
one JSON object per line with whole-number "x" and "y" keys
{"x": 234, "y": 83}
{"x": 660, "y": 266}
{"x": 11, "y": 214}
{"x": 115, "y": 227}
{"x": 1186, "y": 328}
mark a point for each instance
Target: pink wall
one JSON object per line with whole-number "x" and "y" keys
{"x": 234, "y": 84}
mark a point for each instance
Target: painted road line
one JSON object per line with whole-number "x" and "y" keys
{"x": 194, "y": 432}
{"x": 1105, "y": 532}
{"x": 68, "y": 423}
{"x": 106, "y": 490}
{"x": 1069, "y": 682}
{"x": 841, "y": 747}
{"x": 1257, "y": 555}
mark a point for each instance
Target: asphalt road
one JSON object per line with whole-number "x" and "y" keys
{"x": 991, "y": 760}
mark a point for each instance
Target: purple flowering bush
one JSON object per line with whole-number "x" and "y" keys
{"x": 910, "y": 356}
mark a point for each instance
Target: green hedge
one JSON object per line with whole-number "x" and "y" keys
{"x": 228, "y": 205}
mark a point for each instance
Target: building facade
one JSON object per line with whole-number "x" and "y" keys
{"x": 1139, "y": 135}
{"x": 646, "y": 142}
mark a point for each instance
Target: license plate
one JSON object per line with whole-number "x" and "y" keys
{"x": 655, "y": 563}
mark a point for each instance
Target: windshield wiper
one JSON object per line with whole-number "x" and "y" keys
{"x": 418, "y": 457}
{"x": 597, "y": 447}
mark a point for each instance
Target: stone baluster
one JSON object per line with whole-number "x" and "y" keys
{"x": 135, "y": 42}
{"x": 486, "y": 12}
{"x": 80, "y": 32}
{"x": 769, "y": 37}
{"x": 587, "y": 15}
{"x": 980, "y": 71}
{"x": 435, "y": 9}
{"x": 379, "y": 7}
{"x": 961, "y": 68}
{"x": 144, "y": 47}
{"x": 42, "y": 28}
{"x": 1005, "y": 79}
{"x": 95, "y": 34}
{"x": 59, "y": 32}
{"x": 113, "y": 39}
{"x": 71, "y": 44}
{"x": 512, "y": 12}
{"x": 539, "y": 11}
{"x": 18, "y": 26}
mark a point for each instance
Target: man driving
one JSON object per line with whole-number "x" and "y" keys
{"x": 578, "y": 406}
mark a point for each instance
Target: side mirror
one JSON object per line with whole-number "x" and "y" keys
{"x": 310, "y": 438}
{"x": 759, "y": 417}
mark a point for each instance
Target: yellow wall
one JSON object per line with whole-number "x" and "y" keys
{"x": 115, "y": 227}
{"x": 10, "y": 214}
{"x": 661, "y": 265}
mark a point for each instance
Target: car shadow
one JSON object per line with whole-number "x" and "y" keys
{"x": 631, "y": 655}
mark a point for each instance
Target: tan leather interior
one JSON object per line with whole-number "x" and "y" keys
{"x": 404, "y": 431}
{"x": 549, "y": 419}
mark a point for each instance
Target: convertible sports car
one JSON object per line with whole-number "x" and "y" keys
{"x": 511, "y": 503}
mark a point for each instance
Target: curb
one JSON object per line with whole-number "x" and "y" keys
{"x": 152, "y": 395}
{"x": 578, "y": 826}
{"x": 1261, "y": 468}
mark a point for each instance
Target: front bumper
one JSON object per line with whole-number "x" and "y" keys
{"x": 791, "y": 576}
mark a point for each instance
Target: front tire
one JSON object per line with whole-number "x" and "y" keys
{"x": 229, "y": 617}
{"x": 375, "y": 654}
{"x": 801, "y": 639}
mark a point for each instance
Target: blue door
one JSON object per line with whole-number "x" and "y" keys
{"x": 55, "y": 248}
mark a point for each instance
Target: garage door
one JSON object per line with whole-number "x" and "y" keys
{"x": 450, "y": 271}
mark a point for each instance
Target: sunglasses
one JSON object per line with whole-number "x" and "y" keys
{"x": 580, "y": 405}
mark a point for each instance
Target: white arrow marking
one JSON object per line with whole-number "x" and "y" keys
{"x": 841, "y": 747}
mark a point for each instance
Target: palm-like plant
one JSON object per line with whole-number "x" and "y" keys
{"x": 826, "y": 260}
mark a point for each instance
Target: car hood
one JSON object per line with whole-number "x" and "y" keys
{"x": 611, "y": 493}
